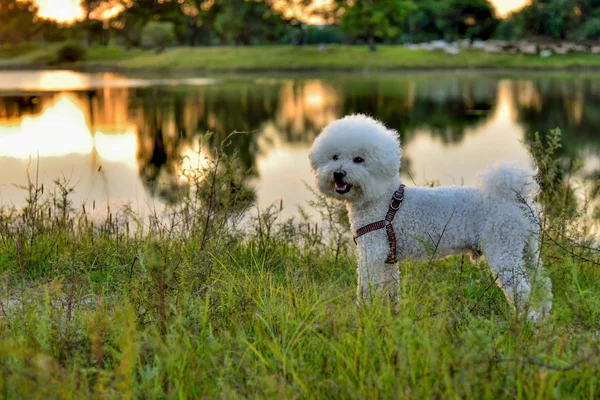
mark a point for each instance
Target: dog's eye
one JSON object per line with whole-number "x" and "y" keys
{"x": 336, "y": 157}
{"x": 358, "y": 160}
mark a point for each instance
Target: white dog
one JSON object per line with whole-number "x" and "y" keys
{"x": 357, "y": 159}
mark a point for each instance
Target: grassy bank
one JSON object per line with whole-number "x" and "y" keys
{"x": 288, "y": 58}
{"x": 188, "y": 305}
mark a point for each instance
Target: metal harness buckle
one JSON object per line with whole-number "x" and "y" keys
{"x": 397, "y": 201}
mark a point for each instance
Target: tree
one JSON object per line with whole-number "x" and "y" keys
{"x": 553, "y": 19}
{"x": 92, "y": 24}
{"x": 372, "y": 19}
{"x": 247, "y": 21}
{"x": 200, "y": 21}
{"x": 89, "y": 6}
{"x": 425, "y": 22}
{"x": 471, "y": 19}
{"x": 17, "y": 21}
{"x": 138, "y": 13}
{"x": 51, "y": 31}
{"x": 158, "y": 35}
{"x": 559, "y": 19}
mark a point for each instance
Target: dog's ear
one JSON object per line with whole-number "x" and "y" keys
{"x": 398, "y": 149}
{"x": 311, "y": 158}
{"x": 321, "y": 150}
{"x": 314, "y": 156}
{"x": 387, "y": 153}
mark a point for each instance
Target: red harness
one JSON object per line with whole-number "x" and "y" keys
{"x": 387, "y": 224}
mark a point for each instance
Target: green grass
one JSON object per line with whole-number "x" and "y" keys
{"x": 337, "y": 58}
{"x": 307, "y": 58}
{"x": 191, "y": 306}
{"x": 8, "y": 51}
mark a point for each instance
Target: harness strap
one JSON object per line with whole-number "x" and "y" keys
{"x": 387, "y": 224}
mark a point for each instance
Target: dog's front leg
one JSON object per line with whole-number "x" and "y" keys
{"x": 374, "y": 275}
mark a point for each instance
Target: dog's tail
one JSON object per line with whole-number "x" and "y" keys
{"x": 511, "y": 183}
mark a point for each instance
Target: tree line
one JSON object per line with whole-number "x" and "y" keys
{"x": 159, "y": 23}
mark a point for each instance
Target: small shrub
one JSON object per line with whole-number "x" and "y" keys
{"x": 158, "y": 35}
{"x": 70, "y": 52}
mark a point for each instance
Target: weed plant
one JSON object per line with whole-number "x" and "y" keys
{"x": 205, "y": 302}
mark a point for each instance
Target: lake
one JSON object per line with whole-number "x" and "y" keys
{"x": 125, "y": 139}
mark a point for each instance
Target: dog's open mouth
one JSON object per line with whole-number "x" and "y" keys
{"x": 342, "y": 187}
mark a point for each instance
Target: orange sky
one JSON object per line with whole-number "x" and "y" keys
{"x": 68, "y": 10}
{"x": 61, "y": 10}
{"x": 503, "y": 7}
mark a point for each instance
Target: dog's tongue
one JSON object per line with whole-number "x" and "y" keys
{"x": 341, "y": 186}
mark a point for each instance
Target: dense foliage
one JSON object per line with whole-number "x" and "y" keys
{"x": 17, "y": 21}
{"x": 372, "y": 19}
{"x": 158, "y": 35}
{"x": 558, "y": 19}
{"x": 248, "y": 22}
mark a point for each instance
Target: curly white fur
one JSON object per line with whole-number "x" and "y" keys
{"x": 357, "y": 159}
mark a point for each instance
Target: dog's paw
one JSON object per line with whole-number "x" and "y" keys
{"x": 540, "y": 313}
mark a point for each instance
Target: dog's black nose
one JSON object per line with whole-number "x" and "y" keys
{"x": 338, "y": 175}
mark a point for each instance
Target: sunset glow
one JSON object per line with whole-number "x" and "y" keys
{"x": 30, "y": 136}
{"x": 504, "y": 7}
{"x": 60, "y": 10}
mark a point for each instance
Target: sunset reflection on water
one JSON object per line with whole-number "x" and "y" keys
{"x": 497, "y": 140}
{"x": 102, "y": 165}
{"x": 60, "y": 129}
{"x": 130, "y": 140}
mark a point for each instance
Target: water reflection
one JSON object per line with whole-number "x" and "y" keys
{"x": 30, "y": 135}
{"x": 131, "y": 139}
{"x": 495, "y": 139}
{"x": 57, "y": 80}
{"x": 62, "y": 143}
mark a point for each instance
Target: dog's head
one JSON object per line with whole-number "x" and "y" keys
{"x": 354, "y": 158}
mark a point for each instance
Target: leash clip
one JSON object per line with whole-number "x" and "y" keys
{"x": 396, "y": 200}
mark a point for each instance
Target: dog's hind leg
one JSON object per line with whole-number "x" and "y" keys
{"x": 511, "y": 276}
{"x": 505, "y": 251}
{"x": 541, "y": 282}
